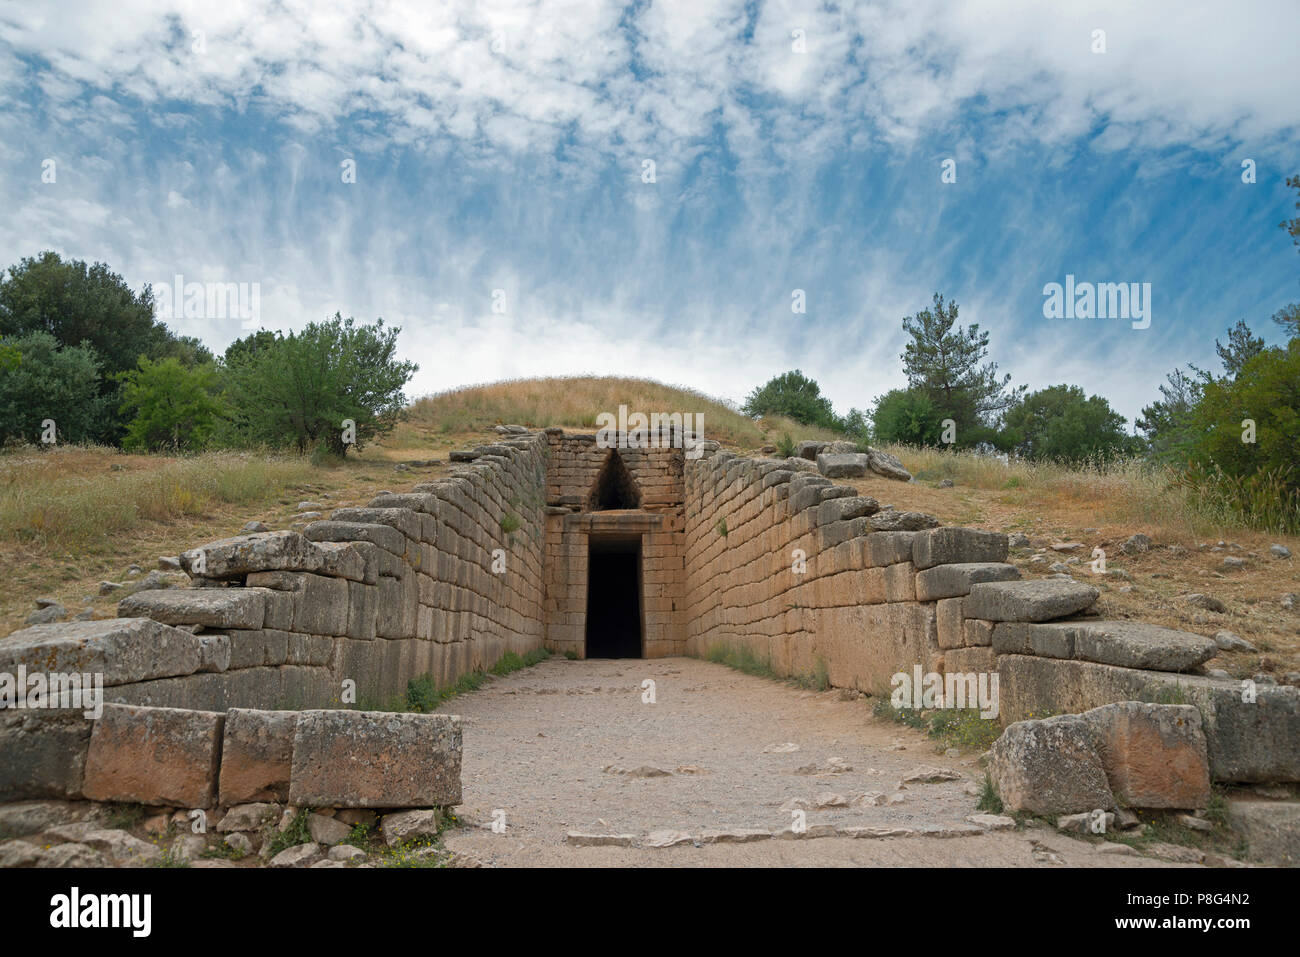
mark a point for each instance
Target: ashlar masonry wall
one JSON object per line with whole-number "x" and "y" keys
{"x": 650, "y": 480}
{"x": 807, "y": 574}
{"x": 438, "y": 581}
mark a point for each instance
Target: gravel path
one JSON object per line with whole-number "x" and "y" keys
{"x": 570, "y": 746}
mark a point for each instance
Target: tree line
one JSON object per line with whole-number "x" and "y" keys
{"x": 83, "y": 359}
{"x": 1241, "y": 424}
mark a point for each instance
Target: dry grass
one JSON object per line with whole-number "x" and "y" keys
{"x": 575, "y": 401}
{"x": 70, "y": 517}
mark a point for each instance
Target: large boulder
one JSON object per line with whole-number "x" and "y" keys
{"x": 1049, "y": 767}
{"x": 882, "y": 463}
{"x": 1154, "y": 755}
{"x": 843, "y": 464}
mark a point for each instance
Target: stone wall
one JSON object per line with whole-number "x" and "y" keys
{"x": 440, "y": 580}
{"x": 654, "y": 485}
{"x": 809, "y": 576}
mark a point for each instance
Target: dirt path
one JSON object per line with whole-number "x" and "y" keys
{"x": 570, "y": 746}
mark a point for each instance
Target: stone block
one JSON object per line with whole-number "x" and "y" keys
{"x": 123, "y": 650}
{"x": 375, "y": 759}
{"x": 42, "y": 754}
{"x": 1037, "y": 600}
{"x": 261, "y": 552}
{"x": 952, "y": 545}
{"x": 210, "y": 607}
{"x": 256, "y": 756}
{"x": 1127, "y": 644}
{"x": 157, "y": 756}
{"x": 1049, "y": 767}
{"x": 954, "y": 581}
{"x": 1154, "y": 755}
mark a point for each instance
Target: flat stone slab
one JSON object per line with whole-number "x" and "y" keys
{"x": 1040, "y": 600}
{"x": 1271, "y": 828}
{"x": 954, "y": 581}
{"x": 123, "y": 650}
{"x": 583, "y": 839}
{"x": 1127, "y": 644}
{"x": 157, "y": 756}
{"x": 211, "y": 607}
{"x": 375, "y": 759}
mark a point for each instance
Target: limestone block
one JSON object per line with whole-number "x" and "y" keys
{"x": 264, "y": 551}
{"x": 954, "y": 581}
{"x": 951, "y": 545}
{"x": 123, "y": 650}
{"x": 256, "y": 756}
{"x": 375, "y": 759}
{"x": 158, "y": 756}
{"x": 1040, "y": 600}
{"x": 42, "y": 754}
{"x": 1128, "y": 644}
{"x": 210, "y": 607}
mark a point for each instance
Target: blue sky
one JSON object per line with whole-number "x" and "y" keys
{"x": 501, "y": 146}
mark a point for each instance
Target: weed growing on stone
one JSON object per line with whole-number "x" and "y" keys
{"x": 223, "y": 851}
{"x": 571, "y": 655}
{"x": 298, "y": 832}
{"x": 511, "y": 523}
{"x": 722, "y": 526}
{"x": 743, "y": 659}
{"x": 785, "y": 447}
{"x": 123, "y": 817}
{"x": 359, "y": 836}
{"x": 989, "y": 801}
{"x": 168, "y": 859}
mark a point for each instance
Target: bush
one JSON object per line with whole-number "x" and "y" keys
{"x": 907, "y": 417}
{"x": 171, "y": 406}
{"x": 794, "y": 395}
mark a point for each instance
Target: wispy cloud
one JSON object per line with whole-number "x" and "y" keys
{"x": 795, "y": 146}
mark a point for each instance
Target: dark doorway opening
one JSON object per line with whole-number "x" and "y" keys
{"x": 614, "y": 599}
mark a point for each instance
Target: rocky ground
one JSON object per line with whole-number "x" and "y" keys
{"x": 581, "y": 772}
{"x": 568, "y": 763}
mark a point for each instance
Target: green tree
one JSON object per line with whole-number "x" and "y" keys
{"x": 943, "y": 362}
{"x": 49, "y": 382}
{"x": 908, "y": 417}
{"x": 299, "y": 389}
{"x": 1062, "y": 423}
{"x": 1266, "y": 392}
{"x": 1167, "y": 422}
{"x": 169, "y": 405}
{"x": 1242, "y": 346}
{"x": 795, "y": 396}
{"x": 76, "y": 303}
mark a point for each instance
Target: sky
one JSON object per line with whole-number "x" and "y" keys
{"x": 649, "y": 189}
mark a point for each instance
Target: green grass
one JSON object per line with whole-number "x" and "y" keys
{"x": 960, "y": 728}
{"x": 511, "y": 523}
{"x": 123, "y": 817}
{"x": 223, "y": 851}
{"x": 424, "y": 696}
{"x": 722, "y": 526}
{"x": 741, "y": 658}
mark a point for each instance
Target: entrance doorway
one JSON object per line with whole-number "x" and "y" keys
{"x": 614, "y": 599}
